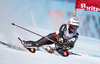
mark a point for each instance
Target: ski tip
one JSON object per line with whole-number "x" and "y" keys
{"x": 19, "y": 39}
{"x": 12, "y": 23}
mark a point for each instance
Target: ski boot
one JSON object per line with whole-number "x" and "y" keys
{"x": 63, "y": 52}
{"x": 29, "y": 45}
{"x": 48, "y": 48}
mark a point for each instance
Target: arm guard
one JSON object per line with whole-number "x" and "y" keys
{"x": 61, "y": 30}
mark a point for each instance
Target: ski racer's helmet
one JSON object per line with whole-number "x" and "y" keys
{"x": 73, "y": 23}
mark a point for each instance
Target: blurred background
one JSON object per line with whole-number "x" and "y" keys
{"x": 43, "y": 17}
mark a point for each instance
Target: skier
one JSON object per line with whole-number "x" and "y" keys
{"x": 65, "y": 38}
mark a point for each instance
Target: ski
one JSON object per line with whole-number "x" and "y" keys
{"x": 34, "y": 49}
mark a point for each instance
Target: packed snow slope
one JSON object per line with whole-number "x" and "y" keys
{"x": 88, "y": 48}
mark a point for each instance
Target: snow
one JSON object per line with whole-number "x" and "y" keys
{"x": 13, "y": 56}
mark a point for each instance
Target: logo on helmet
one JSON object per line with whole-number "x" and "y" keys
{"x": 73, "y": 21}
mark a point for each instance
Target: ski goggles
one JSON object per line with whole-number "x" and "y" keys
{"x": 74, "y": 27}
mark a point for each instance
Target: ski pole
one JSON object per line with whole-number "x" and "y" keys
{"x": 34, "y": 33}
